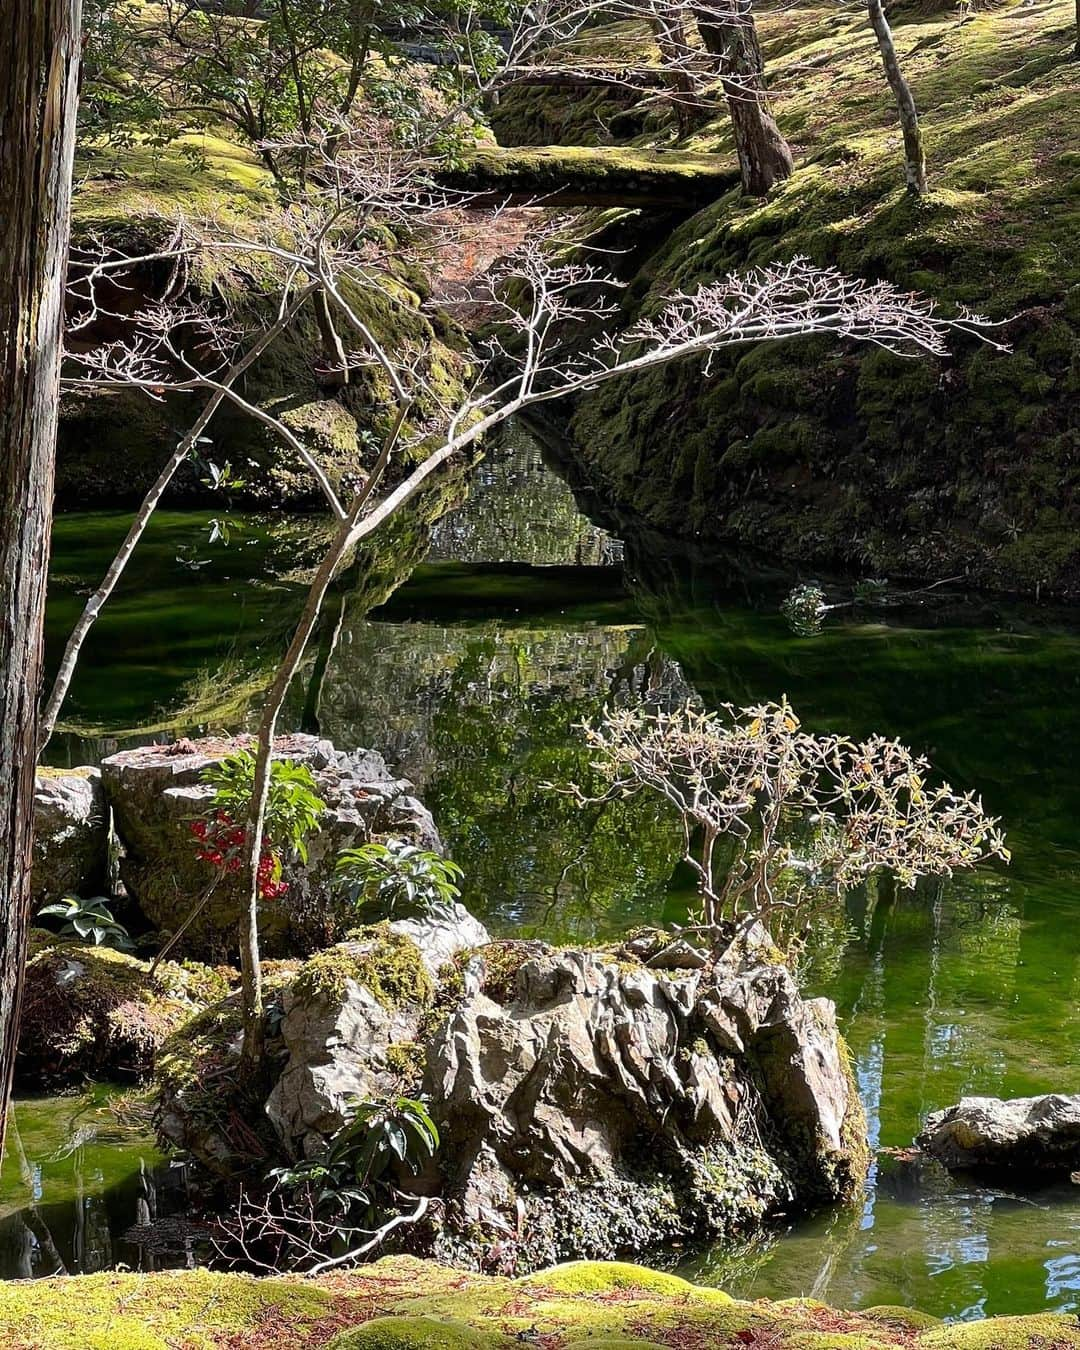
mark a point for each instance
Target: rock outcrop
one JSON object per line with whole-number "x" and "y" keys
{"x": 353, "y": 1019}
{"x": 590, "y": 1104}
{"x": 1035, "y": 1135}
{"x": 71, "y": 834}
{"x": 156, "y": 791}
{"x": 598, "y": 1106}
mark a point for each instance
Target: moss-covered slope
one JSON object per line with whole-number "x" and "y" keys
{"x": 404, "y": 1304}
{"x": 112, "y": 443}
{"x": 824, "y": 453}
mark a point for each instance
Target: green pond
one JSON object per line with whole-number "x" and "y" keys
{"x": 523, "y": 619}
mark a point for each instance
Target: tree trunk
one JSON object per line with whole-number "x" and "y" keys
{"x": 728, "y": 31}
{"x": 668, "y": 24}
{"x": 914, "y": 156}
{"x": 39, "y": 58}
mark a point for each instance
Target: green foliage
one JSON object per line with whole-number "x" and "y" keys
{"x": 90, "y": 921}
{"x": 398, "y": 877}
{"x": 293, "y": 806}
{"x": 351, "y": 1180}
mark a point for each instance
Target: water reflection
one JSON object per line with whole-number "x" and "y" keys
{"x": 80, "y": 1192}
{"x": 519, "y": 625}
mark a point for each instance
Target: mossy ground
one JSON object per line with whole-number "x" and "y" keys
{"x": 400, "y": 1303}
{"x": 829, "y": 454}
{"x": 90, "y": 1011}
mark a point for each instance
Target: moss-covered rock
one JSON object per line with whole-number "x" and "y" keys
{"x": 419, "y": 1333}
{"x": 386, "y": 963}
{"x": 91, "y": 1011}
{"x": 132, "y": 199}
{"x": 833, "y": 454}
{"x": 400, "y": 1303}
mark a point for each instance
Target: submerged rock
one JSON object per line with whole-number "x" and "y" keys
{"x": 71, "y": 834}
{"x": 156, "y": 791}
{"x": 1037, "y": 1135}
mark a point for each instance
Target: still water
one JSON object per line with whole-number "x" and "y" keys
{"x": 525, "y": 619}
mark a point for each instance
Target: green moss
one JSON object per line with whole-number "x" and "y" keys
{"x": 92, "y": 1010}
{"x": 196, "y": 1309}
{"x": 803, "y": 448}
{"x": 407, "y": 1059}
{"x": 418, "y": 1333}
{"x": 387, "y": 964}
{"x": 401, "y": 1303}
{"x": 1039, "y": 1332}
{"x": 597, "y": 1277}
{"x": 597, "y": 175}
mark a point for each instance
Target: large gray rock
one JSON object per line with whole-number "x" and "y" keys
{"x": 590, "y": 1105}
{"x": 1024, "y": 1134}
{"x": 71, "y": 834}
{"x": 341, "y": 1037}
{"x": 156, "y": 791}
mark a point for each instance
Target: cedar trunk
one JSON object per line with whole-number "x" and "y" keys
{"x": 914, "y": 156}
{"x": 38, "y": 91}
{"x": 728, "y": 31}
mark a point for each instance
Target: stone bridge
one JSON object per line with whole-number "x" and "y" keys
{"x": 561, "y": 175}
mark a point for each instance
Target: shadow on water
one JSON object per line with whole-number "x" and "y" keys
{"x": 526, "y": 619}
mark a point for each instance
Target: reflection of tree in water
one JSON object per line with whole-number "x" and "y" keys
{"x": 480, "y": 718}
{"x": 519, "y": 512}
{"x": 72, "y": 1185}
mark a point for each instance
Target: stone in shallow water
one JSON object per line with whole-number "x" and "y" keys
{"x": 1025, "y": 1134}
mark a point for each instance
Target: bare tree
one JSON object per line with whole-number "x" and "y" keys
{"x": 39, "y": 60}
{"x": 914, "y": 154}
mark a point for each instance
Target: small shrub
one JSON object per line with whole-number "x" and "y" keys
{"x": 398, "y": 877}
{"x": 91, "y": 921}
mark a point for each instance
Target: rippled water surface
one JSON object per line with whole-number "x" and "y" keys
{"x": 525, "y": 619}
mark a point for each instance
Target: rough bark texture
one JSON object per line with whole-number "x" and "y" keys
{"x": 914, "y": 155}
{"x": 764, "y": 155}
{"x": 38, "y": 95}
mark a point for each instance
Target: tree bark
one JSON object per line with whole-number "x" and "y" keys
{"x": 914, "y": 155}
{"x": 668, "y": 24}
{"x": 39, "y": 60}
{"x": 728, "y": 31}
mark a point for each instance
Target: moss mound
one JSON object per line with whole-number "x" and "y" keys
{"x": 91, "y": 1011}
{"x": 401, "y": 1303}
{"x": 387, "y": 963}
{"x": 834, "y": 454}
{"x": 418, "y": 1333}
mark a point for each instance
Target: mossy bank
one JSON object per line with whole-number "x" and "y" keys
{"x": 827, "y": 454}
{"x": 404, "y": 1304}
{"x": 113, "y": 442}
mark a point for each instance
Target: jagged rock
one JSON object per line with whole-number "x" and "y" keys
{"x": 589, "y": 1105}
{"x": 598, "y": 1106}
{"x": 156, "y": 791}
{"x": 439, "y": 937}
{"x": 71, "y": 834}
{"x": 352, "y": 1021}
{"x": 1025, "y": 1134}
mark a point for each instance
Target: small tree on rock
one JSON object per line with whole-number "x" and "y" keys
{"x": 775, "y": 818}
